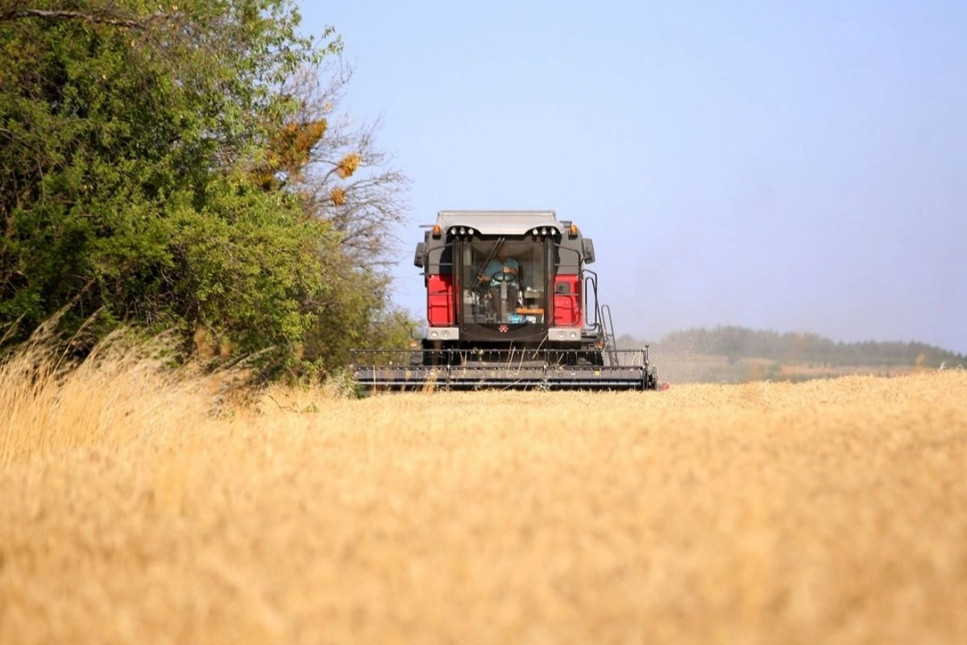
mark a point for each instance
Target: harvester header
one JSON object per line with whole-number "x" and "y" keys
{"x": 510, "y": 303}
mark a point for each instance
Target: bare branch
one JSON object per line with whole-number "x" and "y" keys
{"x": 364, "y": 206}
{"x": 113, "y": 20}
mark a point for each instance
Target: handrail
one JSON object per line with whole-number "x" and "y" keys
{"x": 590, "y": 279}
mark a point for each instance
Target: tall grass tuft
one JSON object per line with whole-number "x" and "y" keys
{"x": 121, "y": 392}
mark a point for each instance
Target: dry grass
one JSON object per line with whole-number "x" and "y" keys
{"x": 825, "y": 512}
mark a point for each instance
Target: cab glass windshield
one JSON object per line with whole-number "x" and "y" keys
{"x": 503, "y": 281}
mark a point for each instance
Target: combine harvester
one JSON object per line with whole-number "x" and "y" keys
{"x": 511, "y": 304}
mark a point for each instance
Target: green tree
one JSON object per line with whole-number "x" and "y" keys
{"x": 130, "y": 138}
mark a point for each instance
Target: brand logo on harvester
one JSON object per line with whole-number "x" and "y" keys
{"x": 503, "y": 329}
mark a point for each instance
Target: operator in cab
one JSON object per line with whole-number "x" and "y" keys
{"x": 501, "y": 269}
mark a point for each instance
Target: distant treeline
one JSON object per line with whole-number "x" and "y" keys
{"x": 740, "y": 342}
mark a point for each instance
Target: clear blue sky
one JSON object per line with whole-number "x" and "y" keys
{"x": 785, "y": 166}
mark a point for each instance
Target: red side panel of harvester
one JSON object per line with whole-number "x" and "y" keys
{"x": 567, "y": 301}
{"x": 439, "y": 300}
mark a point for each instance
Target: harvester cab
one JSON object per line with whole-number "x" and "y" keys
{"x": 510, "y": 303}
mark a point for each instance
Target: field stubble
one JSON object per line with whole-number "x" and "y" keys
{"x": 828, "y": 511}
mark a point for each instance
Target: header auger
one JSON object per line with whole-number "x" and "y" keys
{"x": 510, "y": 304}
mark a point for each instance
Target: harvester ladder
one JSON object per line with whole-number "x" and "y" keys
{"x": 602, "y": 325}
{"x": 609, "y": 339}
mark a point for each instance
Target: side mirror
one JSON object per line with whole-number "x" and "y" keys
{"x": 420, "y": 254}
{"x": 588, "y": 248}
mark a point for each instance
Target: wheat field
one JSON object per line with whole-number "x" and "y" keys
{"x": 137, "y": 506}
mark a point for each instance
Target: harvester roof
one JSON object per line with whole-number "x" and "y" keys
{"x": 498, "y": 222}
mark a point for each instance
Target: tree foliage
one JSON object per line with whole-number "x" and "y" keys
{"x": 141, "y": 147}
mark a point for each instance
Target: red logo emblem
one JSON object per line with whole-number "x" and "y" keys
{"x": 503, "y": 329}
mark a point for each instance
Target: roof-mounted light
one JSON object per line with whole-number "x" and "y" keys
{"x": 573, "y": 230}
{"x": 544, "y": 231}
{"x": 461, "y": 231}
{"x": 437, "y": 231}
